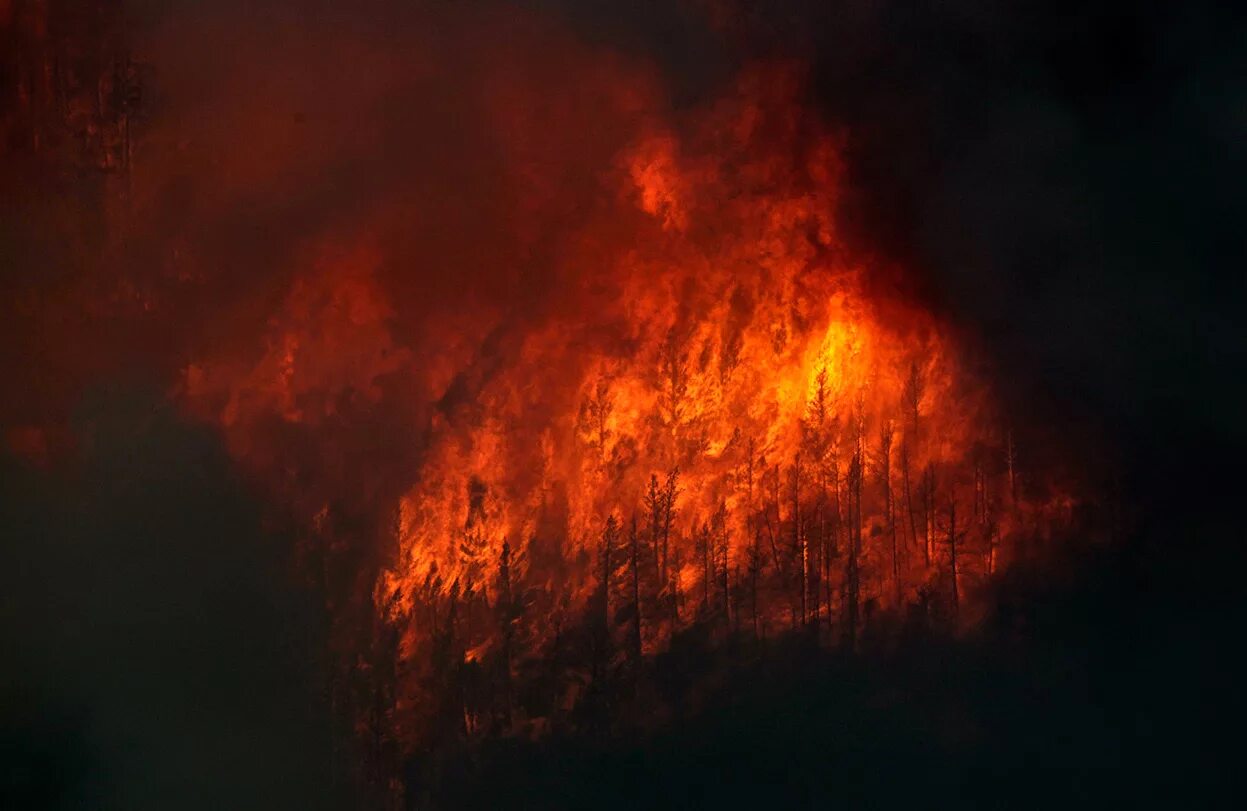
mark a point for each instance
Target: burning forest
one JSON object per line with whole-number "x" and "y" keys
{"x": 540, "y": 399}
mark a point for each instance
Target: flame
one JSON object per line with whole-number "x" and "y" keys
{"x": 715, "y": 331}
{"x": 693, "y": 328}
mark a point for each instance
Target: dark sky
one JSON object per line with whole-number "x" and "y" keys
{"x": 1064, "y": 178}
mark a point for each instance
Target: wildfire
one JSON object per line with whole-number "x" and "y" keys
{"x": 730, "y": 345}
{"x": 693, "y": 407}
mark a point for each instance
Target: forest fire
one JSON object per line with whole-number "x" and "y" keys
{"x": 714, "y": 420}
{"x": 476, "y": 401}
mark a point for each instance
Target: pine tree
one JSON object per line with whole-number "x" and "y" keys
{"x": 886, "y": 435}
{"x": 634, "y": 544}
{"x": 911, "y": 401}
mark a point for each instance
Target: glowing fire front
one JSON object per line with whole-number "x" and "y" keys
{"x": 730, "y": 364}
{"x": 705, "y": 411}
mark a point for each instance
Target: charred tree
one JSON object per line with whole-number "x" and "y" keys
{"x": 911, "y": 400}
{"x": 1011, "y": 463}
{"x": 673, "y": 374}
{"x": 703, "y": 551}
{"x": 595, "y": 417}
{"x": 755, "y": 562}
{"x": 670, "y": 490}
{"x": 602, "y": 628}
{"x": 928, "y": 512}
{"x": 799, "y": 550}
{"x": 659, "y": 502}
{"x": 719, "y": 556}
{"x": 853, "y": 574}
{"x": 953, "y": 537}
{"x": 886, "y": 435}
{"x": 508, "y": 615}
{"x": 634, "y": 544}
{"x": 837, "y": 526}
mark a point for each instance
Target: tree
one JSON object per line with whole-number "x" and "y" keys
{"x": 670, "y": 490}
{"x": 594, "y": 418}
{"x": 980, "y": 484}
{"x": 719, "y": 548}
{"x": 911, "y": 400}
{"x": 991, "y": 529}
{"x": 610, "y": 541}
{"x": 611, "y": 559}
{"x": 508, "y": 614}
{"x": 855, "y": 527}
{"x": 928, "y": 512}
{"x": 831, "y": 476}
{"x": 653, "y": 501}
{"x": 952, "y": 539}
{"x": 1011, "y": 461}
{"x": 753, "y": 569}
{"x": 772, "y": 530}
{"x": 884, "y": 462}
{"x": 704, "y": 545}
{"x": 634, "y": 544}
{"x": 815, "y": 442}
{"x": 447, "y": 665}
{"x": 676, "y": 587}
{"x": 673, "y": 374}
{"x": 800, "y": 552}
{"x": 606, "y": 574}
{"x": 379, "y": 680}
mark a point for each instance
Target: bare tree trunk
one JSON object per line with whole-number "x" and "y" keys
{"x": 670, "y": 574}
{"x": 675, "y": 593}
{"x": 855, "y": 530}
{"x": 837, "y": 524}
{"x": 952, "y": 551}
{"x": 653, "y": 504}
{"x": 610, "y": 536}
{"x": 909, "y": 500}
{"x": 755, "y": 565}
{"x": 798, "y": 542}
{"x": 706, "y": 575}
{"x": 928, "y": 511}
{"x": 635, "y": 542}
{"x": 824, "y": 554}
{"x": 771, "y": 529}
{"x": 993, "y": 544}
{"x": 885, "y": 472}
{"x": 507, "y": 617}
{"x": 608, "y": 539}
{"x": 1011, "y": 460}
{"x": 816, "y": 547}
{"x": 980, "y": 488}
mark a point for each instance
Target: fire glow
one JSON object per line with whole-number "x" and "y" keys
{"x": 711, "y": 416}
